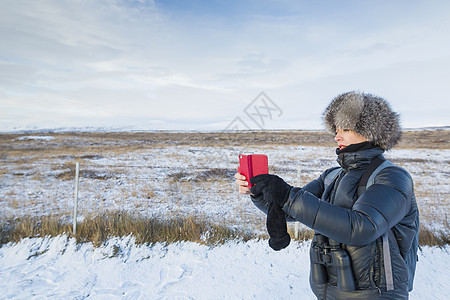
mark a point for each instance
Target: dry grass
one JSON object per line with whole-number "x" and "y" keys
{"x": 209, "y": 175}
{"x": 430, "y": 238}
{"x": 87, "y": 173}
{"x": 304, "y": 234}
{"x": 88, "y": 145}
{"x": 98, "y": 229}
{"x": 430, "y": 139}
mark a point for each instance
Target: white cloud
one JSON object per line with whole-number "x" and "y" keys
{"x": 104, "y": 61}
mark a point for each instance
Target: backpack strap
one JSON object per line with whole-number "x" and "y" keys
{"x": 368, "y": 174}
{"x": 331, "y": 177}
{"x": 387, "y": 262}
{"x": 328, "y": 182}
{"x": 386, "y": 163}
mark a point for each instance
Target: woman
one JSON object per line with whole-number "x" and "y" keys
{"x": 365, "y": 243}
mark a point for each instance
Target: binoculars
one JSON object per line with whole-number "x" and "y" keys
{"x": 325, "y": 253}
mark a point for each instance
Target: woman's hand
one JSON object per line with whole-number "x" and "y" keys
{"x": 242, "y": 183}
{"x": 274, "y": 188}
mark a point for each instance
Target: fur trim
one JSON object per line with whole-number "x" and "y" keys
{"x": 368, "y": 115}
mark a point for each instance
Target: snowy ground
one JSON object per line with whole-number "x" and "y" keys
{"x": 58, "y": 268}
{"x": 177, "y": 180}
{"x": 187, "y": 180}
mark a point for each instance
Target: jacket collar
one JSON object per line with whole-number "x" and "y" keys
{"x": 357, "y": 156}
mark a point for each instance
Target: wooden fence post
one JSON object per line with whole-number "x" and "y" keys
{"x": 75, "y": 206}
{"x": 297, "y": 224}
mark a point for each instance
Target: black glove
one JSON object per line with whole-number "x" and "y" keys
{"x": 277, "y": 228}
{"x": 276, "y": 192}
{"x": 274, "y": 189}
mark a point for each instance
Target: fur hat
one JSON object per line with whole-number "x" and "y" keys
{"x": 368, "y": 115}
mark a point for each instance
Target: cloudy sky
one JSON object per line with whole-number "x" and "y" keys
{"x": 199, "y": 65}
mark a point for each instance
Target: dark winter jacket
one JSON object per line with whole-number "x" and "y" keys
{"x": 358, "y": 223}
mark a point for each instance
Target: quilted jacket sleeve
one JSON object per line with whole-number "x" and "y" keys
{"x": 379, "y": 208}
{"x": 315, "y": 188}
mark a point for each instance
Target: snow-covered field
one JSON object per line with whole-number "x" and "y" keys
{"x": 181, "y": 179}
{"x": 36, "y": 178}
{"x": 58, "y": 268}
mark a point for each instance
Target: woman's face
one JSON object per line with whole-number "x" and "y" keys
{"x": 345, "y": 137}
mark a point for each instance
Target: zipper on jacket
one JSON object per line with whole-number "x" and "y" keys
{"x": 373, "y": 265}
{"x": 380, "y": 260}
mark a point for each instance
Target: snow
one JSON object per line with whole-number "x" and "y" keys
{"x": 35, "y": 138}
{"x": 144, "y": 181}
{"x": 58, "y": 268}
